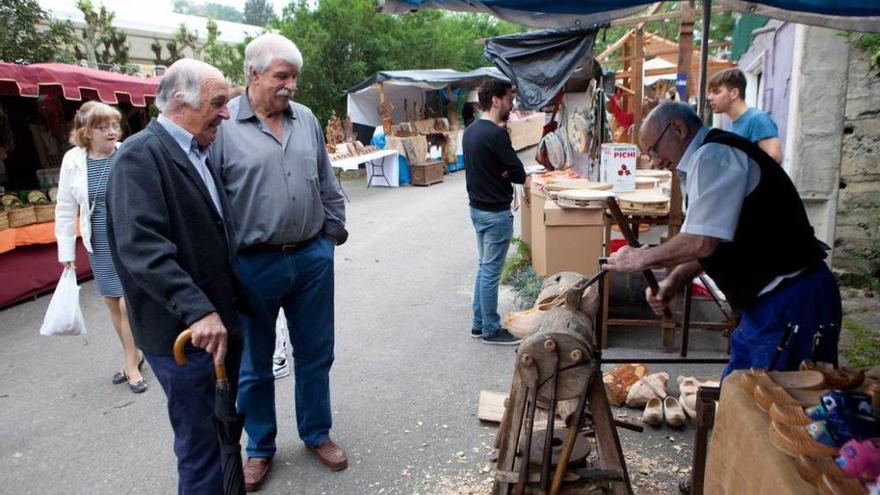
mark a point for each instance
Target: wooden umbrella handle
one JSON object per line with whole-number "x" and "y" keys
{"x": 630, "y": 237}
{"x": 180, "y": 357}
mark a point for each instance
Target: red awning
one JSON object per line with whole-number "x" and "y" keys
{"x": 77, "y": 83}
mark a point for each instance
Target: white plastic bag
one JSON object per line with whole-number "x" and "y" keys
{"x": 64, "y": 316}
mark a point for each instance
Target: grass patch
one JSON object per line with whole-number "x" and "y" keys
{"x": 865, "y": 348}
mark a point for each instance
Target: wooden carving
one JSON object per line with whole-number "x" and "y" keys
{"x": 333, "y": 131}
{"x": 386, "y": 110}
{"x": 348, "y": 130}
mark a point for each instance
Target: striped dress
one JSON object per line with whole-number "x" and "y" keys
{"x": 102, "y": 263}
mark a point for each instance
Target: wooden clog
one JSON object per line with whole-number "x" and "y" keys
{"x": 804, "y": 380}
{"x": 673, "y": 413}
{"x": 792, "y": 415}
{"x": 843, "y": 378}
{"x": 748, "y": 383}
{"x": 653, "y": 414}
{"x": 841, "y": 486}
{"x": 766, "y": 396}
{"x": 795, "y": 441}
{"x": 812, "y": 469}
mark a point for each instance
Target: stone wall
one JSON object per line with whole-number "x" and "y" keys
{"x": 857, "y": 233}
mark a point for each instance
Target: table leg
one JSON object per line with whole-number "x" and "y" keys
{"x": 705, "y": 420}
{"x": 338, "y": 173}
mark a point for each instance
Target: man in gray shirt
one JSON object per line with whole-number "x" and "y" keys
{"x": 289, "y": 215}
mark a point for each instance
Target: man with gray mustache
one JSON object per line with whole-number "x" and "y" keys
{"x": 290, "y": 216}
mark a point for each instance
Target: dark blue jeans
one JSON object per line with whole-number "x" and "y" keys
{"x": 494, "y": 230}
{"x": 302, "y": 283}
{"x": 190, "y": 393}
{"x": 809, "y": 300}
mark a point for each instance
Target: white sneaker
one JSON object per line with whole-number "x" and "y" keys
{"x": 280, "y": 367}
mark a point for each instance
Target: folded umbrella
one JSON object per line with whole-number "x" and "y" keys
{"x": 227, "y": 421}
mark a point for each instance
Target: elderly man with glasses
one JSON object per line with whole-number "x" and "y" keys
{"x": 172, "y": 246}
{"x": 746, "y": 227}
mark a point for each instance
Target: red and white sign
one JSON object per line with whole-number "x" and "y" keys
{"x": 618, "y": 166}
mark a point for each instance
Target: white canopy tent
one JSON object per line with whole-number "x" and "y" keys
{"x": 409, "y": 87}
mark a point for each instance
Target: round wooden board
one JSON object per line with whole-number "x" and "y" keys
{"x": 569, "y": 184}
{"x": 643, "y": 197}
{"x": 585, "y": 194}
{"x": 658, "y": 174}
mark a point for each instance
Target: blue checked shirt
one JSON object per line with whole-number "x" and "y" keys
{"x": 197, "y": 156}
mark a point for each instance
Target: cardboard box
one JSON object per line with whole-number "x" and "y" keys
{"x": 567, "y": 239}
{"x": 618, "y": 166}
{"x": 536, "y": 218}
{"x": 525, "y": 213}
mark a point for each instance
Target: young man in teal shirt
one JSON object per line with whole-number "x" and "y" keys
{"x": 726, "y": 90}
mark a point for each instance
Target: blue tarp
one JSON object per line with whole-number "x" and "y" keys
{"x": 859, "y": 15}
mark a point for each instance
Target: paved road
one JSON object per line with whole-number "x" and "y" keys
{"x": 405, "y": 382}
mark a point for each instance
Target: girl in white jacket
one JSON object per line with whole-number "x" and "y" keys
{"x": 82, "y": 189}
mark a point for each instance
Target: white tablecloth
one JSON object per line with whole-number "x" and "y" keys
{"x": 387, "y": 159}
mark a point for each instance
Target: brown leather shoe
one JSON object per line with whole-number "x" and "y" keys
{"x": 331, "y": 455}
{"x": 256, "y": 470}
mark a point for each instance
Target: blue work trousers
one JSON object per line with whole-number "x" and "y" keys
{"x": 302, "y": 283}
{"x": 809, "y": 302}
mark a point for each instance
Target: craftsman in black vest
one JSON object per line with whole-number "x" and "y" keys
{"x": 745, "y": 227}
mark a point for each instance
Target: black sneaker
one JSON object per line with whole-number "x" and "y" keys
{"x": 476, "y": 333}
{"x": 503, "y": 337}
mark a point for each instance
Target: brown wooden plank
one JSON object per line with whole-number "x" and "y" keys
{"x": 607, "y": 441}
{"x": 491, "y": 406}
{"x": 637, "y": 80}
{"x": 686, "y": 45}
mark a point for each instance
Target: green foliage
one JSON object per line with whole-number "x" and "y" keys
{"x": 870, "y": 43}
{"x": 516, "y": 262}
{"x": 865, "y": 348}
{"x": 517, "y": 272}
{"x": 229, "y": 59}
{"x": 22, "y": 41}
{"x": 527, "y": 287}
{"x": 258, "y": 12}
{"x": 101, "y": 42}
{"x": 183, "y": 39}
{"x": 345, "y": 41}
{"x": 720, "y": 29}
{"x": 209, "y": 9}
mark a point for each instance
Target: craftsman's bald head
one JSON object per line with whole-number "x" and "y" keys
{"x": 667, "y": 132}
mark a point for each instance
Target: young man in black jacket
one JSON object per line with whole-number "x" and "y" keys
{"x": 491, "y": 169}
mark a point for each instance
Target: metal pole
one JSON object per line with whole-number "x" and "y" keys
{"x": 704, "y": 61}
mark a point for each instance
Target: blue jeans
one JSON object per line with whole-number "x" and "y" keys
{"x": 302, "y": 283}
{"x": 809, "y": 300}
{"x": 494, "y": 230}
{"x": 189, "y": 390}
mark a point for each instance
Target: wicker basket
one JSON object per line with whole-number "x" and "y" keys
{"x": 4, "y": 220}
{"x": 44, "y": 213}
{"x": 20, "y": 217}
